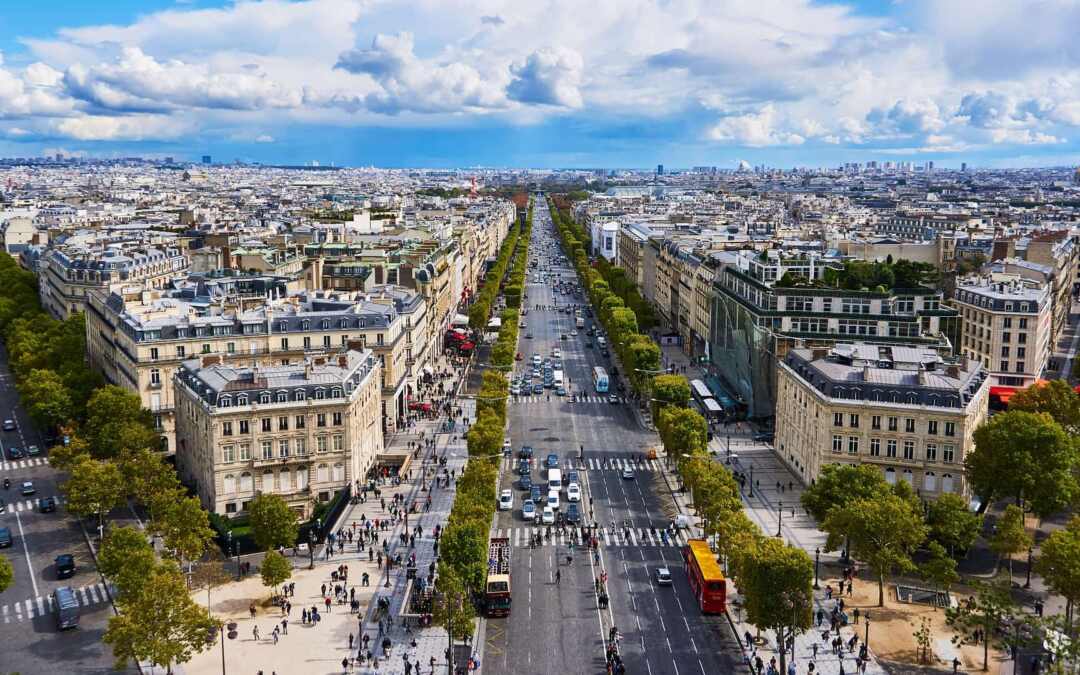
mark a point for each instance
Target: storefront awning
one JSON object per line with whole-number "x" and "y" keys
{"x": 460, "y": 320}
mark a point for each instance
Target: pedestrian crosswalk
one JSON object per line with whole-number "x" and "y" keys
{"x": 596, "y": 464}
{"x": 31, "y": 608}
{"x": 19, "y": 464}
{"x": 553, "y": 398}
{"x": 26, "y": 505}
{"x": 635, "y": 536}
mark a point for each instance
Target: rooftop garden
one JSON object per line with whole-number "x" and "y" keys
{"x": 862, "y": 275}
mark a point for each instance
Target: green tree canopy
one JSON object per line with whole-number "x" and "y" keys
{"x": 883, "y": 531}
{"x": 47, "y": 399}
{"x": 1059, "y": 561}
{"x": 185, "y": 528}
{"x": 273, "y": 523}
{"x": 952, "y": 524}
{"x": 986, "y": 611}
{"x": 683, "y": 431}
{"x": 669, "y": 390}
{"x": 1054, "y": 397}
{"x": 1025, "y": 456}
{"x": 116, "y": 423}
{"x": 94, "y": 488}
{"x": 126, "y": 558}
{"x": 838, "y": 484}
{"x": 1011, "y": 536}
{"x": 939, "y": 570}
{"x": 7, "y": 574}
{"x": 452, "y": 608}
{"x": 776, "y": 584}
{"x": 275, "y": 570}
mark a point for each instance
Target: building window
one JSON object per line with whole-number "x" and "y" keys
{"x": 339, "y": 472}
{"x": 931, "y": 427}
{"x": 226, "y": 428}
{"x": 322, "y": 473}
{"x": 283, "y": 423}
{"x": 909, "y": 449}
{"x": 228, "y": 486}
{"x": 875, "y": 422}
{"x": 1019, "y": 366}
{"x": 890, "y": 448}
{"x": 282, "y": 397}
{"x": 283, "y": 448}
{"x": 853, "y": 420}
{"x": 837, "y": 443}
{"x": 268, "y": 481}
{"x": 301, "y": 446}
{"x": 284, "y": 343}
{"x": 228, "y": 453}
{"x": 947, "y": 454}
{"x": 180, "y": 352}
{"x": 320, "y": 444}
{"x": 929, "y": 482}
{"x": 266, "y": 424}
{"x": 301, "y": 421}
{"x": 1006, "y": 322}
{"x": 1006, "y": 337}
{"x": 242, "y": 399}
{"x": 339, "y": 442}
{"x": 950, "y": 428}
{"x": 379, "y": 339}
{"x": 307, "y": 342}
{"x": 206, "y": 349}
{"x": 320, "y": 394}
{"x": 264, "y": 397}
{"x": 230, "y": 347}
{"x": 875, "y": 447}
{"x": 246, "y": 483}
{"x": 838, "y": 419}
{"x": 335, "y": 393}
{"x": 1023, "y": 324}
{"x": 337, "y": 419}
{"x": 893, "y": 421}
{"x": 1004, "y": 366}
{"x": 946, "y": 482}
{"x": 267, "y": 450}
{"x": 244, "y": 428}
{"x": 853, "y": 445}
{"x": 155, "y": 376}
{"x": 245, "y": 452}
{"x": 154, "y": 353}
{"x": 909, "y": 425}
{"x": 1004, "y": 352}
{"x": 931, "y": 452}
{"x": 326, "y": 341}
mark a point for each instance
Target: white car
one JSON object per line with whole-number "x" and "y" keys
{"x": 507, "y": 448}
{"x": 573, "y": 493}
{"x": 547, "y": 516}
{"x": 573, "y": 333}
{"x": 506, "y": 500}
{"x": 663, "y": 577}
{"x": 553, "y": 500}
{"x": 528, "y": 510}
{"x": 556, "y": 353}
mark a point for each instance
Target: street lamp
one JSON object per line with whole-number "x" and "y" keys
{"x": 311, "y": 546}
{"x": 1027, "y": 584}
{"x": 780, "y": 520}
{"x": 866, "y": 640}
{"x": 751, "y": 481}
{"x": 817, "y": 565}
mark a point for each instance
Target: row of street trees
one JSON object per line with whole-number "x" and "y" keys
{"x": 638, "y": 354}
{"x": 480, "y": 310}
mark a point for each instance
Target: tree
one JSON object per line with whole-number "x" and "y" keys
{"x": 683, "y": 431}
{"x": 161, "y": 624}
{"x": 149, "y": 479}
{"x": 209, "y": 575}
{"x": 273, "y": 523}
{"x": 7, "y": 574}
{"x": 117, "y": 423}
{"x": 838, "y": 484}
{"x": 126, "y": 558}
{"x": 952, "y": 523}
{"x": 924, "y": 639}
{"x": 940, "y": 569}
{"x": 883, "y": 532}
{"x": 669, "y": 390}
{"x": 776, "y": 584}
{"x": 986, "y": 611}
{"x": 185, "y": 528}
{"x": 1011, "y": 536}
{"x": 1025, "y": 456}
{"x": 1059, "y": 564}
{"x": 485, "y": 437}
{"x": 276, "y": 570}
{"x": 95, "y": 488}
{"x": 451, "y": 608}
{"x": 47, "y": 399}
{"x": 64, "y": 456}
{"x": 463, "y": 546}
{"x": 1054, "y": 397}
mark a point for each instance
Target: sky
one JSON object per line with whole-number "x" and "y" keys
{"x": 546, "y": 83}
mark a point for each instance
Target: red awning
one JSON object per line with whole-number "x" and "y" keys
{"x": 1003, "y": 393}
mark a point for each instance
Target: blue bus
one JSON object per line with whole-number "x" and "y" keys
{"x": 600, "y": 380}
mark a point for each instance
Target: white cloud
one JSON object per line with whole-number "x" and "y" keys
{"x": 264, "y": 138}
{"x": 548, "y": 77}
{"x": 129, "y": 128}
{"x": 755, "y": 130}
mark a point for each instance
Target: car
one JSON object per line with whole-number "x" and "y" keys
{"x": 528, "y": 510}
{"x": 552, "y": 461}
{"x": 763, "y": 437}
{"x": 562, "y": 336}
{"x": 5, "y": 537}
{"x": 528, "y": 336}
{"x": 536, "y": 360}
{"x": 506, "y": 500}
{"x": 573, "y": 493}
{"x": 663, "y": 576}
{"x": 525, "y": 482}
{"x": 556, "y": 353}
{"x": 553, "y": 499}
{"x": 573, "y": 514}
{"x": 628, "y": 474}
{"x": 573, "y": 333}
{"x": 47, "y": 504}
{"x": 523, "y": 324}
{"x": 507, "y": 448}
{"x": 612, "y": 398}
{"x": 526, "y": 452}
{"x": 547, "y": 516}
{"x": 33, "y": 450}
{"x": 573, "y": 477}
{"x": 538, "y": 388}
{"x": 536, "y": 493}
{"x": 515, "y": 390}
{"x": 65, "y": 565}
{"x": 15, "y": 453}
{"x": 28, "y": 488}
{"x": 560, "y": 390}
{"x": 9, "y": 425}
{"x": 523, "y": 467}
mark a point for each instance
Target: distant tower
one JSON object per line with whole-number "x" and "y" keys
{"x": 963, "y": 167}
{"x": 1076, "y": 176}
{"x": 206, "y": 159}
{"x": 472, "y": 190}
{"x": 659, "y": 169}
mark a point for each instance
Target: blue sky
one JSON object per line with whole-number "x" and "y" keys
{"x": 627, "y": 83}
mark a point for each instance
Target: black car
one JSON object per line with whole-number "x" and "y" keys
{"x": 5, "y": 537}
{"x": 573, "y": 515}
{"x": 525, "y": 483}
{"x": 15, "y": 453}
{"x": 764, "y": 437}
{"x": 523, "y": 467}
{"x": 65, "y": 566}
{"x": 526, "y": 452}
{"x": 47, "y": 504}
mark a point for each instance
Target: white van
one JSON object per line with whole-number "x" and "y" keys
{"x": 554, "y": 479}
{"x": 601, "y": 342}
{"x": 558, "y": 379}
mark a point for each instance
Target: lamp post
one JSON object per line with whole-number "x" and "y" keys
{"x": 751, "y": 481}
{"x": 817, "y": 565}
{"x": 311, "y": 548}
{"x": 780, "y": 520}
{"x": 866, "y": 639}
{"x": 230, "y": 550}
{"x": 729, "y": 446}
{"x": 1027, "y": 584}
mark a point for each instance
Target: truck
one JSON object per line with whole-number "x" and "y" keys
{"x": 497, "y": 586}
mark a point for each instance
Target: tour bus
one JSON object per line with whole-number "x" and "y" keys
{"x": 554, "y": 479}
{"x": 600, "y": 380}
{"x": 706, "y": 579}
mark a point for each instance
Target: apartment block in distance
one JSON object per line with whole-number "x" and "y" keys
{"x": 301, "y": 431}
{"x": 1007, "y": 326}
{"x": 905, "y": 410}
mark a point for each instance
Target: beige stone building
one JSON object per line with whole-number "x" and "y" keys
{"x": 302, "y": 431}
{"x": 901, "y": 409}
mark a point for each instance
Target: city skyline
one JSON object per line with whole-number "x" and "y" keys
{"x": 784, "y": 83}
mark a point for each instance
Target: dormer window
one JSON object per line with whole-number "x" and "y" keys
{"x": 335, "y": 392}
{"x": 300, "y": 394}
{"x": 283, "y": 326}
{"x": 264, "y": 397}
{"x": 282, "y": 396}
{"x": 320, "y": 394}
{"x": 325, "y": 324}
{"x": 343, "y": 323}
{"x": 305, "y": 325}
{"x": 242, "y": 399}
{"x": 224, "y": 402}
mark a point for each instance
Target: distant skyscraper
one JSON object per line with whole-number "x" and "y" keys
{"x": 659, "y": 169}
{"x": 963, "y": 167}
{"x": 930, "y": 166}
{"x": 206, "y": 159}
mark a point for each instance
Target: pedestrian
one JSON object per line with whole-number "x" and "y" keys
{"x": 251, "y": 610}
{"x": 255, "y": 633}
{"x": 285, "y": 626}
{"x": 275, "y": 634}
{"x": 955, "y": 664}
{"x": 350, "y": 640}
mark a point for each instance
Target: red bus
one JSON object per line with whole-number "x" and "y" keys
{"x": 706, "y": 579}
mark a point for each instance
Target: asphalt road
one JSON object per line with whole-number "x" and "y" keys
{"x": 31, "y": 642}
{"x": 558, "y": 627}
